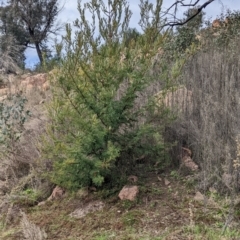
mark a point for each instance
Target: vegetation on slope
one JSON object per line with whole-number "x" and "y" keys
{"x": 105, "y": 124}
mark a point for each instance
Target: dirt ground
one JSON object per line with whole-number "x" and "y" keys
{"x": 166, "y": 208}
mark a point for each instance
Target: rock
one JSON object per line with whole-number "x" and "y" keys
{"x": 212, "y": 203}
{"x": 33, "y": 82}
{"x": 187, "y": 161}
{"x": 83, "y": 211}
{"x": 166, "y": 182}
{"x": 212, "y": 190}
{"x": 42, "y": 203}
{"x": 199, "y": 197}
{"x": 160, "y": 179}
{"x": 216, "y": 23}
{"x": 128, "y": 193}
{"x": 56, "y": 193}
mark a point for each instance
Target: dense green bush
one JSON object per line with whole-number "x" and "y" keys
{"x": 103, "y": 119}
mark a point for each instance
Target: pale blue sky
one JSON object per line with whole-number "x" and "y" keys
{"x": 70, "y": 13}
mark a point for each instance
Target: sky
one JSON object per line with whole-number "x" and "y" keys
{"x": 70, "y": 13}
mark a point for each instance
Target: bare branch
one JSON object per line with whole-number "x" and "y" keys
{"x": 180, "y": 23}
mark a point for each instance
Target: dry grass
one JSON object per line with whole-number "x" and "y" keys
{"x": 30, "y": 230}
{"x": 211, "y": 124}
{"x": 160, "y": 212}
{"x": 20, "y": 164}
{"x": 9, "y": 48}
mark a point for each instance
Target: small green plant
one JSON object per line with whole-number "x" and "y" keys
{"x": 105, "y": 237}
{"x": 205, "y": 232}
{"x": 175, "y": 174}
{"x": 131, "y": 218}
{"x": 127, "y": 204}
{"x": 31, "y": 194}
{"x": 190, "y": 182}
{"x": 27, "y": 197}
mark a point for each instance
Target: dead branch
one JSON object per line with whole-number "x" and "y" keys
{"x": 180, "y": 3}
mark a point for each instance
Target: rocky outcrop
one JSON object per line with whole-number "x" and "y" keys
{"x": 25, "y": 83}
{"x": 35, "y": 82}
{"x": 57, "y": 193}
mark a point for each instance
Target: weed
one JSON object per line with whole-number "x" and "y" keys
{"x": 156, "y": 190}
{"x": 106, "y": 236}
{"x": 190, "y": 182}
{"x": 175, "y": 174}
{"x": 205, "y": 232}
{"x": 8, "y": 233}
{"x": 131, "y": 218}
{"x": 127, "y": 204}
{"x": 170, "y": 190}
{"x": 27, "y": 197}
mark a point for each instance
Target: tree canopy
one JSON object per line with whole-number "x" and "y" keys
{"x": 31, "y": 23}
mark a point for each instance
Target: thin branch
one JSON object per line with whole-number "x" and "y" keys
{"x": 175, "y": 5}
{"x": 198, "y": 10}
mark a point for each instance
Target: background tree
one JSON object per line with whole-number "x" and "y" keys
{"x": 186, "y": 34}
{"x": 37, "y": 18}
{"x": 172, "y": 10}
{"x": 11, "y": 54}
{"x": 13, "y": 40}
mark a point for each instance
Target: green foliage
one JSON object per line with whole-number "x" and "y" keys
{"x": 227, "y": 32}
{"x": 13, "y": 39}
{"x": 27, "y": 197}
{"x": 100, "y": 124}
{"x": 12, "y": 118}
{"x": 31, "y": 22}
{"x": 186, "y": 34}
{"x": 11, "y": 54}
{"x": 132, "y": 218}
{"x": 48, "y": 64}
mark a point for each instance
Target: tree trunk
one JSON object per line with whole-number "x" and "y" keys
{"x": 39, "y": 52}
